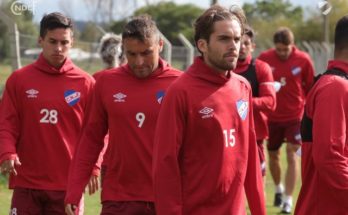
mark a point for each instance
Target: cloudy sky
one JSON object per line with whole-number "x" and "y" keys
{"x": 78, "y": 10}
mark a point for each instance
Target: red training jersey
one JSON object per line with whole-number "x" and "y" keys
{"x": 266, "y": 100}
{"x": 205, "y": 154}
{"x": 40, "y": 120}
{"x": 127, "y": 107}
{"x": 296, "y": 75}
{"x": 325, "y": 160}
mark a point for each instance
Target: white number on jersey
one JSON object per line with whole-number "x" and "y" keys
{"x": 140, "y": 117}
{"x": 13, "y": 211}
{"x": 283, "y": 81}
{"x": 230, "y": 139}
{"x": 49, "y": 116}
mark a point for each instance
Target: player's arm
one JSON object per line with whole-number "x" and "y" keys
{"x": 93, "y": 184}
{"x": 166, "y": 171}
{"x": 90, "y": 145}
{"x": 267, "y": 98}
{"x": 9, "y": 127}
{"x": 253, "y": 181}
{"x": 330, "y": 138}
{"x": 308, "y": 76}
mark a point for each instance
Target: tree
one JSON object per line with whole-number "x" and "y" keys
{"x": 173, "y": 19}
{"x": 278, "y": 12}
{"x": 90, "y": 33}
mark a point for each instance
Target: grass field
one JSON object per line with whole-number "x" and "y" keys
{"x": 92, "y": 203}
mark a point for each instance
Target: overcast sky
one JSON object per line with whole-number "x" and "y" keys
{"x": 76, "y": 7}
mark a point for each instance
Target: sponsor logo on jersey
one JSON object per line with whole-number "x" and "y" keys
{"x": 72, "y": 97}
{"x": 32, "y": 93}
{"x": 159, "y": 96}
{"x": 119, "y": 97}
{"x": 242, "y": 108}
{"x": 206, "y": 112}
{"x": 296, "y": 70}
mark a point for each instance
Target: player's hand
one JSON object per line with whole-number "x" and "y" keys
{"x": 93, "y": 185}
{"x": 70, "y": 209}
{"x": 9, "y": 166}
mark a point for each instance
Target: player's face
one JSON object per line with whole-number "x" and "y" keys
{"x": 142, "y": 56}
{"x": 246, "y": 47}
{"x": 55, "y": 45}
{"x": 283, "y": 51}
{"x": 222, "y": 49}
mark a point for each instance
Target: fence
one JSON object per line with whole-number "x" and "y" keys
{"x": 85, "y": 54}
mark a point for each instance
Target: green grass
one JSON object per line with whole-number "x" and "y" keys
{"x": 92, "y": 203}
{"x": 271, "y": 210}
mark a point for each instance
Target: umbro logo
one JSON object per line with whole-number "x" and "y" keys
{"x": 206, "y": 112}
{"x": 32, "y": 93}
{"x": 119, "y": 97}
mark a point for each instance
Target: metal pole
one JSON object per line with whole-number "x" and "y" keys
{"x": 189, "y": 47}
{"x": 14, "y": 41}
{"x": 167, "y": 52}
{"x": 326, "y": 29}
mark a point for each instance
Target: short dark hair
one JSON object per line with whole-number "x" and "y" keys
{"x": 284, "y": 36}
{"x": 204, "y": 25}
{"x": 250, "y": 32}
{"x": 141, "y": 28}
{"x": 54, "y": 20}
{"x": 341, "y": 34}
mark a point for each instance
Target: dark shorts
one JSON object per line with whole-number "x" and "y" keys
{"x": 283, "y": 131}
{"x": 39, "y": 202}
{"x": 128, "y": 208}
{"x": 262, "y": 157}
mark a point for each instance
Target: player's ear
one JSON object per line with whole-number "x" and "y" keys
{"x": 202, "y": 45}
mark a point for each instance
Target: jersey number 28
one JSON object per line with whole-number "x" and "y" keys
{"x": 49, "y": 116}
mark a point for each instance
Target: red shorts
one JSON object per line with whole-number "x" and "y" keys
{"x": 262, "y": 156}
{"x": 37, "y": 202}
{"x": 283, "y": 131}
{"x": 128, "y": 208}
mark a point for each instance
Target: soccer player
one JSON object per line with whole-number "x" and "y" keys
{"x": 259, "y": 74}
{"x": 126, "y": 103}
{"x": 294, "y": 70}
{"x": 324, "y": 159}
{"x": 111, "y": 51}
{"x": 40, "y": 120}
{"x": 205, "y": 153}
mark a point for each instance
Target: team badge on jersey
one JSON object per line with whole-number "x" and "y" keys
{"x": 32, "y": 93}
{"x": 242, "y": 108}
{"x": 296, "y": 70}
{"x": 159, "y": 96}
{"x": 119, "y": 97}
{"x": 72, "y": 97}
{"x": 206, "y": 112}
